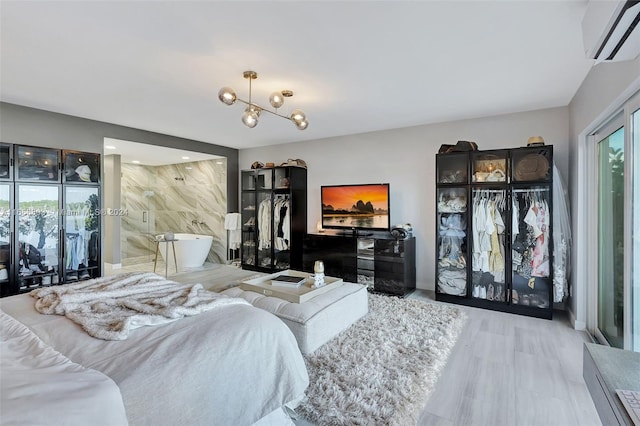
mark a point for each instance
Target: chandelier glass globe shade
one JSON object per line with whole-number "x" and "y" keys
{"x": 276, "y": 99}
{"x": 250, "y": 118}
{"x": 227, "y": 95}
{"x": 298, "y": 116}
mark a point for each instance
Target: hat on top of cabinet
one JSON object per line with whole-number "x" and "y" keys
{"x": 535, "y": 141}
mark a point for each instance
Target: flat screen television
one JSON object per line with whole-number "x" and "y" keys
{"x": 356, "y": 207}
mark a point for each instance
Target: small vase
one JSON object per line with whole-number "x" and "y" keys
{"x": 318, "y": 280}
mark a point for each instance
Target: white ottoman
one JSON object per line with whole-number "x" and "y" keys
{"x": 316, "y": 321}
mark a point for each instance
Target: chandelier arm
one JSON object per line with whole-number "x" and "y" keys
{"x": 263, "y": 109}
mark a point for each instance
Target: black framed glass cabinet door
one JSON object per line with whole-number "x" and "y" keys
{"x": 37, "y": 164}
{"x": 81, "y": 233}
{"x": 38, "y": 235}
{"x": 6, "y": 238}
{"x": 489, "y": 236}
{"x": 452, "y": 219}
{"x": 452, "y": 225}
{"x": 531, "y": 248}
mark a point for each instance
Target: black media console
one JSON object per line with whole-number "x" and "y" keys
{"x": 392, "y": 269}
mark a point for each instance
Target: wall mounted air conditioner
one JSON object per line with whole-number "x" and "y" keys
{"x": 610, "y": 30}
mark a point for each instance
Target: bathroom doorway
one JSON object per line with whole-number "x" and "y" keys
{"x": 155, "y": 190}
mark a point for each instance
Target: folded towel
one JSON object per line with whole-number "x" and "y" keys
{"x": 234, "y": 239}
{"x": 232, "y": 221}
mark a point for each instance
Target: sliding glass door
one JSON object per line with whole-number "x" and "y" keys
{"x": 617, "y": 303}
{"x": 634, "y": 266}
{"x": 610, "y": 235}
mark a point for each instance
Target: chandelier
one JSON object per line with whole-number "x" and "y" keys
{"x": 251, "y": 114}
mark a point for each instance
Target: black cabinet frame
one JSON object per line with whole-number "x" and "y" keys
{"x": 527, "y": 170}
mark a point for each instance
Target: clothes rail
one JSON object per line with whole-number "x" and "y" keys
{"x": 531, "y": 190}
{"x": 490, "y": 191}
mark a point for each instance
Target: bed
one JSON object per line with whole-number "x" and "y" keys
{"x": 232, "y": 365}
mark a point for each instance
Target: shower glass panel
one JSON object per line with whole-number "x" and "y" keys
{"x": 138, "y": 225}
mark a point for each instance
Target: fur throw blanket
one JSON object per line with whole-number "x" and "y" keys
{"x": 109, "y": 308}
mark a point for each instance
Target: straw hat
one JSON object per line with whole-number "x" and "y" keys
{"x": 535, "y": 141}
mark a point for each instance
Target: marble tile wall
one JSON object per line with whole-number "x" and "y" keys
{"x": 181, "y": 198}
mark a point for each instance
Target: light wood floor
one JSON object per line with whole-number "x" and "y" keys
{"x": 512, "y": 370}
{"x": 504, "y": 370}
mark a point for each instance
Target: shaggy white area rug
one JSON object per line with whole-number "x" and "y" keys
{"x": 381, "y": 370}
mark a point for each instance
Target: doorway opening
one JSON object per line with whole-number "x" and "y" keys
{"x": 155, "y": 191}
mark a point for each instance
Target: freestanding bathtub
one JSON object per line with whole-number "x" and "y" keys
{"x": 191, "y": 250}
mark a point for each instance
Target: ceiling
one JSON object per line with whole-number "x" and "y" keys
{"x": 139, "y": 153}
{"x": 354, "y": 66}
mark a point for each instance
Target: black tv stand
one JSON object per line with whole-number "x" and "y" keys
{"x": 354, "y": 232}
{"x": 391, "y": 263}
{"x": 359, "y": 234}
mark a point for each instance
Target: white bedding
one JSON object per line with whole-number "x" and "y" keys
{"x": 41, "y": 386}
{"x": 229, "y": 366}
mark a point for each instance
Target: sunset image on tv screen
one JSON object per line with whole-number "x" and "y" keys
{"x": 356, "y": 206}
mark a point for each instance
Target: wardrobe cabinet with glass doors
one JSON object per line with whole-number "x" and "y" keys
{"x": 493, "y": 230}
{"x": 49, "y": 217}
{"x": 274, "y": 218}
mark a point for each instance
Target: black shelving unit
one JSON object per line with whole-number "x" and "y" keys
{"x": 493, "y": 227}
{"x": 50, "y": 218}
{"x": 274, "y": 218}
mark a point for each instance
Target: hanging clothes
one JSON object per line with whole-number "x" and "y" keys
{"x": 480, "y": 260}
{"x": 496, "y": 255}
{"x": 75, "y": 249}
{"x": 488, "y": 232}
{"x": 282, "y": 223}
{"x": 530, "y": 250}
{"x": 93, "y": 248}
{"x": 540, "y": 258}
{"x": 264, "y": 224}
{"x": 280, "y": 212}
{"x": 561, "y": 238}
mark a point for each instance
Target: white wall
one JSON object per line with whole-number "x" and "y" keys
{"x": 406, "y": 159}
{"x": 603, "y": 91}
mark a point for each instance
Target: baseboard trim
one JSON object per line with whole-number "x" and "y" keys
{"x": 113, "y": 265}
{"x": 577, "y": 325}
